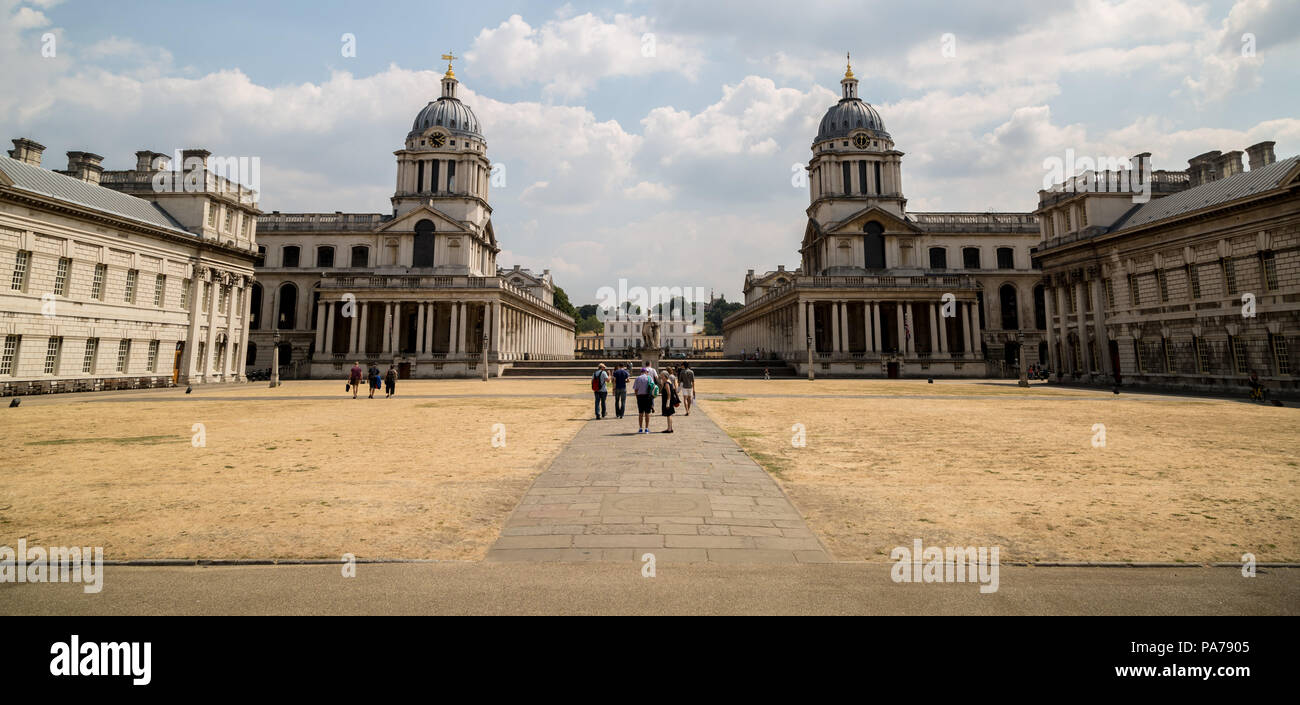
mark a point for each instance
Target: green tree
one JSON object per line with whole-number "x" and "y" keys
{"x": 562, "y": 303}
{"x": 720, "y": 309}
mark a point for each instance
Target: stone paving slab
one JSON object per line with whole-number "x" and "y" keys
{"x": 692, "y": 496}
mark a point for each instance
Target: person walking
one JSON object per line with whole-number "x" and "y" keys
{"x": 620, "y": 390}
{"x": 667, "y": 407}
{"x": 390, "y": 383}
{"x": 600, "y": 388}
{"x": 643, "y": 387}
{"x": 354, "y": 378}
{"x": 372, "y": 378}
{"x": 686, "y": 382}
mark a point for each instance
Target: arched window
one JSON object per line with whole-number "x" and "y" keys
{"x": 1006, "y": 258}
{"x": 325, "y": 256}
{"x": 424, "y": 239}
{"x": 251, "y": 358}
{"x": 1010, "y": 310}
{"x": 874, "y": 245}
{"x": 286, "y": 317}
{"x": 360, "y": 256}
{"x": 1040, "y": 307}
{"x": 289, "y": 256}
{"x": 255, "y": 307}
{"x": 938, "y": 258}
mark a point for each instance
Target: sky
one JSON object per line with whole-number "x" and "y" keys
{"x": 651, "y": 141}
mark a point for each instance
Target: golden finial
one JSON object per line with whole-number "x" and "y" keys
{"x": 449, "y": 57}
{"x": 848, "y": 65}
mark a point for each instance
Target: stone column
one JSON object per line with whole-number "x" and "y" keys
{"x": 359, "y": 343}
{"x": 354, "y": 328}
{"x": 844, "y": 327}
{"x": 210, "y": 345}
{"x": 320, "y": 328}
{"x": 1081, "y": 314}
{"x": 836, "y": 347}
{"x": 453, "y": 322}
{"x": 192, "y": 337}
{"x": 496, "y": 330}
{"x": 869, "y": 344}
{"x": 911, "y": 323}
{"x": 902, "y": 334}
{"x": 975, "y": 327}
{"x": 963, "y": 313}
{"x": 943, "y": 331}
{"x": 1067, "y": 355}
{"x": 327, "y": 347}
{"x": 1049, "y": 308}
{"x": 934, "y": 328}
{"x": 1099, "y": 326}
{"x": 387, "y": 340}
{"x": 420, "y": 311}
{"x": 242, "y": 362}
{"x": 877, "y": 343}
{"x": 464, "y": 326}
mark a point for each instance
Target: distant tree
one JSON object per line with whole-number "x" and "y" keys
{"x": 562, "y": 303}
{"x": 720, "y": 309}
{"x": 587, "y": 310}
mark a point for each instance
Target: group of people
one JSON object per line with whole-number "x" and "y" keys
{"x": 674, "y": 386}
{"x": 373, "y": 379}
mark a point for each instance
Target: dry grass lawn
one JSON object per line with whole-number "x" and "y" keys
{"x": 1179, "y": 479}
{"x": 293, "y": 477}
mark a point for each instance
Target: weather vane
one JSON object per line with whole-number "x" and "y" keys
{"x": 449, "y": 57}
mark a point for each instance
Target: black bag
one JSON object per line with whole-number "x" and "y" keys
{"x": 347, "y": 386}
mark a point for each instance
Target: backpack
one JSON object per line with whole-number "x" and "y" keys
{"x": 595, "y": 382}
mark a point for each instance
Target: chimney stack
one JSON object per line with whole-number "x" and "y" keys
{"x": 1229, "y": 164}
{"x": 1261, "y": 155}
{"x": 1200, "y": 169}
{"x": 148, "y": 160}
{"x": 1143, "y": 163}
{"x": 195, "y": 153}
{"x": 86, "y": 166}
{"x": 29, "y": 151}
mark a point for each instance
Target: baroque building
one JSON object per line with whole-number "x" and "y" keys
{"x": 882, "y": 291}
{"x": 418, "y": 287}
{"x": 1194, "y": 289}
{"x": 121, "y": 279}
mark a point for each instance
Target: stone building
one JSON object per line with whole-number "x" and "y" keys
{"x": 1194, "y": 289}
{"x": 119, "y": 279}
{"x": 623, "y": 334}
{"x": 882, "y": 291}
{"x": 419, "y": 287}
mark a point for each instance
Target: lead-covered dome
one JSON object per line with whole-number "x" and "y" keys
{"x": 848, "y": 115}
{"x": 449, "y": 113}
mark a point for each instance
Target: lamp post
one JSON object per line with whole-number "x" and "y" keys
{"x": 275, "y": 360}
{"x": 811, "y": 374}
{"x": 1024, "y": 372}
{"x": 485, "y": 356}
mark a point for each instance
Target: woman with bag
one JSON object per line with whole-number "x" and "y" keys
{"x": 670, "y": 400}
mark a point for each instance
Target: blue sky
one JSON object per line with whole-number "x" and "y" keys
{"x": 669, "y": 169}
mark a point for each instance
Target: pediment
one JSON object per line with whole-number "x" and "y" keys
{"x": 441, "y": 221}
{"x": 854, "y": 223}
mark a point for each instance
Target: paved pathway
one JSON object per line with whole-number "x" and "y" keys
{"x": 692, "y": 495}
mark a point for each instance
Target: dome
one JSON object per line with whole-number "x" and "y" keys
{"x": 449, "y": 113}
{"x": 848, "y": 115}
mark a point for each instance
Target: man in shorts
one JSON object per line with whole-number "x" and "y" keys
{"x": 645, "y": 402}
{"x": 686, "y": 386}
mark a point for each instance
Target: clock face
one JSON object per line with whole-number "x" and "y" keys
{"x": 438, "y": 139}
{"x": 860, "y": 141}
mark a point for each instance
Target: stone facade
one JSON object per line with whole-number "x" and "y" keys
{"x": 886, "y": 292}
{"x": 128, "y": 286}
{"x": 418, "y": 288}
{"x": 1193, "y": 290}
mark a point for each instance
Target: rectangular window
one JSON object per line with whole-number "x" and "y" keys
{"x": 185, "y": 293}
{"x": 230, "y": 219}
{"x": 1239, "y": 362}
{"x": 52, "y": 355}
{"x": 1194, "y": 279}
{"x": 419, "y": 177}
{"x": 22, "y": 262}
{"x": 97, "y": 285}
{"x": 159, "y": 290}
{"x": 1229, "y": 276}
{"x": 878, "y": 185}
{"x": 1137, "y": 355}
{"x": 222, "y": 293}
{"x": 207, "y": 296}
{"x": 248, "y": 223}
{"x": 61, "y": 277}
{"x": 1071, "y": 303}
{"x": 1078, "y": 356}
{"x": 9, "y": 354}
{"x": 847, "y": 174}
{"x": 1006, "y": 258}
{"x": 433, "y": 174}
{"x": 1202, "y": 356}
{"x": 153, "y": 356}
{"x": 198, "y": 357}
{"x": 970, "y": 258}
{"x": 1167, "y": 351}
{"x": 123, "y": 354}
{"x": 1162, "y": 285}
{"x": 451, "y": 176}
{"x": 88, "y": 361}
{"x": 1083, "y": 216}
{"x": 1065, "y": 213}
{"x": 1281, "y": 358}
{"x": 1134, "y": 298}
{"x": 216, "y": 356}
{"x": 131, "y": 276}
{"x": 862, "y": 177}
{"x": 212, "y": 215}
{"x": 1270, "y": 271}
{"x": 1110, "y": 293}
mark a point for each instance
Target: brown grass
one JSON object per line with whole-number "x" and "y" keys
{"x": 293, "y": 477}
{"x": 1179, "y": 479}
